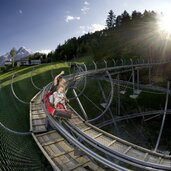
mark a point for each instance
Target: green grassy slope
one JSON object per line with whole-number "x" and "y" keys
{"x": 13, "y": 113}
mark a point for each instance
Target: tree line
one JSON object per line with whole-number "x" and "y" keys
{"x": 125, "y": 36}
{"x": 125, "y": 18}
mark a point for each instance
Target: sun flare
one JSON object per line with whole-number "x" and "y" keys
{"x": 164, "y": 23}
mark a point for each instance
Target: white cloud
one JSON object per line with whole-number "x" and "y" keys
{"x": 85, "y": 10}
{"x": 20, "y": 11}
{"x": 84, "y": 29}
{"x": 70, "y": 18}
{"x": 86, "y": 3}
{"x": 97, "y": 27}
{"x": 46, "y": 51}
{"x": 92, "y": 28}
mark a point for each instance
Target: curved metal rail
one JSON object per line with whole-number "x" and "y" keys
{"x": 109, "y": 102}
{"x": 143, "y": 86}
{"x": 31, "y": 77}
{"x": 60, "y": 154}
{"x": 12, "y": 89}
{"x": 152, "y": 155}
{"x": 83, "y": 148}
{"x": 77, "y": 79}
{"x": 14, "y": 132}
{"x": 110, "y": 155}
{"x": 132, "y": 116}
{"x": 119, "y": 147}
{"x": 112, "y": 145}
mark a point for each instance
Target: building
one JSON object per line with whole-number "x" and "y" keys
{"x": 8, "y": 63}
{"x": 23, "y": 62}
{"x": 27, "y": 62}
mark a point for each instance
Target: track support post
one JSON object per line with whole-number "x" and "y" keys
{"x": 105, "y": 99}
{"x": 164, "y": 116}
{"x": 81, "y": 106}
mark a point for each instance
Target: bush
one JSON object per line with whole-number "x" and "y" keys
{"x": 3, "y": 69}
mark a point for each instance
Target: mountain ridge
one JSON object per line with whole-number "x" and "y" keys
{"x": 21, "y": 53}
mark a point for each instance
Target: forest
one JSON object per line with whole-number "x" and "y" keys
{"x": 135, "y": 36}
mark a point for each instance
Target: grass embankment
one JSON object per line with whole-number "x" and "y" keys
{"x": 14, "y": 114}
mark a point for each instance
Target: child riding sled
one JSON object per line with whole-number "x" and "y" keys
{"x": 57, "y": 106}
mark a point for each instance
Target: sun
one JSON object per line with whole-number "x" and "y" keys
{"x": 164, "y": 23}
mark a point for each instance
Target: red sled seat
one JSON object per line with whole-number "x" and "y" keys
{"x": 59, "y": 111}
{"x": 48, "y": 105}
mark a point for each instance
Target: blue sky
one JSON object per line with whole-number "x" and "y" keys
{"x": 40, "y": 25}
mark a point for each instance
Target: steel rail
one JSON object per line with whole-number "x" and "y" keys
{"x": 91, "y": 101}
{"x": 14, "y": 132}
{"x": 105, "y": 99}
{"x": 13, "y": 92}
{"x": 109, "y": 102}
{"x": 121, "y": 155}
{"x": 132, "y": 116}
{"x": 84, "y": 85}
{"x": 164, "y": 117}
{"x": 154, "y": 88}
{"x": 74, "y": 141}
{"x": 102, "y": 70}
{"x": 122, "y": 67}
{"x": 98, "y": 146}
{"x": 129, "y": 158}
{"x": 85, "y": 149}
{"x": 31, "y": 77}
{"x": 160, "y": 90}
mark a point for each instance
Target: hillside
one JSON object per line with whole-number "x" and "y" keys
{"x": 131, "y": 36}
{"x": 24, "y": 89}
{"x": 15, "y": 115}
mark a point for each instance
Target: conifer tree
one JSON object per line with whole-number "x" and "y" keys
{"x": 125, "y": 17}
{"x": 111, "y": 19}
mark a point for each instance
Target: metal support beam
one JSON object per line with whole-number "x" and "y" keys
{"x": 85, "y": 66}
{"x": 105, "y": 99}
{"x": 114, "y": 62}
{"x": 164, "y": 116}
{"x": 133, "y": 79}
{"x": 105, "y": 63}
{"x": 118, "y": 91}
{"x": 95, "y": 65}
{"x": 133, "y": 76}
{"x": 122, "y": 61}
{"x": 149, "y": 75}
{"x": 138, "y": 79}
{"x": 81, "y": 106}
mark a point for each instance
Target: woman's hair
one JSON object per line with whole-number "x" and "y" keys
{"x": 58, "y": 80}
